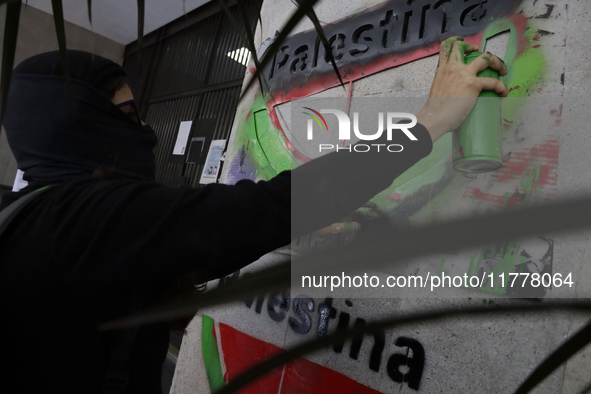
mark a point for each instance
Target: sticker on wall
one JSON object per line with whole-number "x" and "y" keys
{"x": 19, "y": 182}
{"x": 213, "y": 161}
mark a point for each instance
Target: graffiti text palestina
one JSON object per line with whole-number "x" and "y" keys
{"x": 411, "y": 356}
{"x": 395, "y": 27}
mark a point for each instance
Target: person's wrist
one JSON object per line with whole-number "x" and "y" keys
{"x": 432, "y": 123}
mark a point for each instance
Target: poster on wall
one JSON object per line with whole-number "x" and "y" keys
{"x": 180, "y": 145}
{"x": 212, "y": 163}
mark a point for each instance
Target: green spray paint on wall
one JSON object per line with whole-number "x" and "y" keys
{"x": 265, "y": 147}
{"x": 506, "y": 259}
{"x": 427, "y": 171}
{"x": 528, "y": 178}
{"x": 269, "y": 155}
{"x": 211, "y": 357}
{"x": 527, "y": 67}
{"x": 271, "y": 142}
{"x": 526, "y": 70}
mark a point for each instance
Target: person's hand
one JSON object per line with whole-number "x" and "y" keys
{"x": 346, "y": 226}
{"x": 453, "y": 78}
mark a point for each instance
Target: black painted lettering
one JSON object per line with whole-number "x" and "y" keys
{"x": 325, "y": 312}
{"x": 375, "y": 357}
{"x": 260, "y": 300}
{"x": 279, "y": 60}
{"x": 301, "y": 60}
{"x": 401, "y": 27}
{"x": 272, "y": 71}
{"x": 387, "y": 23}
{"x": 316, "y": 51}
{"x": 444, "y": 19}
{"x": 415, "y": 364}
{"x": 474, "y": 14}
{"x": 283, "y": 304}
{"x": 357, "y": 35}
{"x": 342, "y": 325}
{"x": 405, "y": 25}
{"x": 301, "y": 307}
{"x": 356, "y": 340}
{"x": 336, "y": 42}
{"x": 259, "y": 305}
{"x": 423, "y": 20}
{"x": 284, "y": 52}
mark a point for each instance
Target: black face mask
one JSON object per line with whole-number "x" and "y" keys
{"x": 56, "y": 133}
{"x": 134, "y": 114}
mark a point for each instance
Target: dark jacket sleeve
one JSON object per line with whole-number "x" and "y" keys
{"x": 118, "y": 231}
{"x": 334, "y": 185}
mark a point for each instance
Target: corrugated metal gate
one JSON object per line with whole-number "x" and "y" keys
{"x": 191, "y": 70}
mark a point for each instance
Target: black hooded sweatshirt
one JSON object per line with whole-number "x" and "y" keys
{"x": 89, "y": 251}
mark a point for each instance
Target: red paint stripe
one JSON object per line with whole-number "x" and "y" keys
{"x": 297, "y": 155}
{"x": 242, "y": 351}
{"x": 545, "y": 156}
{"x": 303, "y": 376}
{"x": 497, "y": 201}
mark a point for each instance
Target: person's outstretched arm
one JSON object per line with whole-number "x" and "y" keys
{"x": 336, "y": 184}
{"x": 116, "y": 232}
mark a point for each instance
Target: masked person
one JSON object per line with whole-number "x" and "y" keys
{"x": 105, "y": 238}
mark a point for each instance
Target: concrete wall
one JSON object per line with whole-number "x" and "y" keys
{"x": 461, "y": 355}
{"x": 36, "y": 35}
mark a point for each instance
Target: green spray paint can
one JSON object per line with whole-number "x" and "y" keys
{"x": 477, "y": 145}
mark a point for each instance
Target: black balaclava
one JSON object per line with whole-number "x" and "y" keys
{"x": 58, "y": 132}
